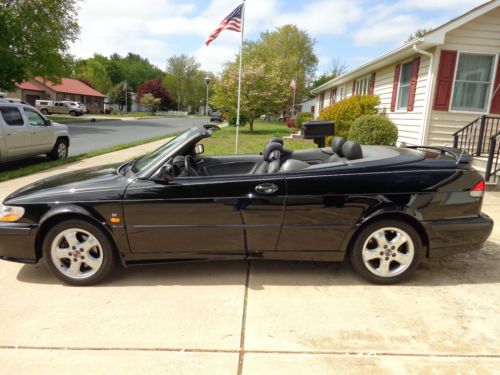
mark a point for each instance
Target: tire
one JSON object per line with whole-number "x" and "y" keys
{"x": 386, "y": 251}
{"x": 72, "y": 113}
{"x": 78, "y": 253}
{"x": 44, "y": 111}
{"x": 60, "y": 150}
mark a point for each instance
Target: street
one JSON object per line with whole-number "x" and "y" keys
{"x": 91, "y": 136}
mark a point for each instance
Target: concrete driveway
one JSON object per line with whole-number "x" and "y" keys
{"x": 253, "y": 317}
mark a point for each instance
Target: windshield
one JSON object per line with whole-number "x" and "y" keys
{"x": 150, "y": 159}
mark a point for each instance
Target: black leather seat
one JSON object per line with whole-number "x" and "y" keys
{"x": 352, "y": 150}
{"x": 337, "y": 144}
{"x": 272, "y": 158}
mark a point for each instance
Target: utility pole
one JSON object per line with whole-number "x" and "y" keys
{"x": 207, "y": 80}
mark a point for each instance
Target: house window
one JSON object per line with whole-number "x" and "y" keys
{"x": 404, "y": 86}
{"x": 341, "y": 92}
{"x": 362, "y": 86}
{"x": 472, "y": 82}
{"x": 321, "y": 101}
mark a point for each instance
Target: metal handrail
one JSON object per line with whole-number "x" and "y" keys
{"x": 493, "y": 153}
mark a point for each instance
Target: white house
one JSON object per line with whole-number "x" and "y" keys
{"x": 308, "y": 105}
{"x": 434, "y": 85}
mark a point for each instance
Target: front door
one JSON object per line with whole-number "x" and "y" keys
{"x": 17, "y": 133}
{"x": 42, "y": 135}
{"x": 211, "y": 216}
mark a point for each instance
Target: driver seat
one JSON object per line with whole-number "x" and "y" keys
{"x": 272, "y": 158}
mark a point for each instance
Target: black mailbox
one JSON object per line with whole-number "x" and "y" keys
{"x": 318, "y": 130}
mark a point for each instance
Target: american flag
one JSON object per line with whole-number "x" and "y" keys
{"x": 293, "y": 84}
{"x": 231, "y": 22}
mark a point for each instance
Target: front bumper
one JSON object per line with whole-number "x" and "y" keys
{"x": 451, "y": 236}
{"x": 17, "y": 242}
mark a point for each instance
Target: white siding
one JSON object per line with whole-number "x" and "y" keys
{"x": 483, "y": 36}
{"x": 409, "y": 123}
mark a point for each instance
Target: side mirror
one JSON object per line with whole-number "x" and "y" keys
{"x": 48, "y": 122}
{"x": 199, "y": 149}
{"x": 165, "y": 174}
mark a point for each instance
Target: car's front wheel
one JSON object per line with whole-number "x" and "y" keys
{"x": 386, "y": 251}
{"x": 60, "y": 150}
{"x": 78, "y": 253}
{"x": 44, "y": 111}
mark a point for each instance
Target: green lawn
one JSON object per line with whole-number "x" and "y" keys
{"x": 222, "y": 142}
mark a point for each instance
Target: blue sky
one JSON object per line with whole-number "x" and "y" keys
{"x": 351, "y": 31}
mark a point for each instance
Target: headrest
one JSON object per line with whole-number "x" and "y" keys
{"x": 270, "y": 149}
{"x": 178, "y": 160}
{"x": 337, "y": 144}
{"x": 275, "y": 140}
{"x": 352, "y": 150}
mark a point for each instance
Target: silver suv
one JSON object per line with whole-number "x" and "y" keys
{"x": 25, "y": 132}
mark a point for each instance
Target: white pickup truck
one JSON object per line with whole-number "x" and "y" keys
{"x": 25, "y": 132}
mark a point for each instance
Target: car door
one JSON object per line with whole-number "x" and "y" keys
{"x": 213, "y": 216}
{"x": 321, "y": 208}
{"x": 17, "y": 132}
{"x": 42, "y": 135}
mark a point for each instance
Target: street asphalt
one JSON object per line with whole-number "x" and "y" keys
{"x": 91, "y": 136}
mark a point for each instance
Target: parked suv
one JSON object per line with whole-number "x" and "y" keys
{"x": 48, "y": 107}
{"x": 25, "y": 132}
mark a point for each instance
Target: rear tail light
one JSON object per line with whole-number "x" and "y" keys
{"x": 478, "y": 190}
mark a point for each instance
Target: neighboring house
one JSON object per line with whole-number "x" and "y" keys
{"x": 308, "y": 105}
{"x": 68, "y": 89}
{"x": 434, "y": 85}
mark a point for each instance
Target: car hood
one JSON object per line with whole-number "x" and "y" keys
{"x": 59, "y": 126}
{"x": 92, "y": 184}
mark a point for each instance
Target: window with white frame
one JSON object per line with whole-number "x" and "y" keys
{"x": 404, "y": 85}
{"x": 362, "y": 86}
{"x": 341, "y": 92}
{"x": 473, "y": 75}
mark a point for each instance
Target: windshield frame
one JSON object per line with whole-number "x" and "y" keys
{"x": 194, "y": 135}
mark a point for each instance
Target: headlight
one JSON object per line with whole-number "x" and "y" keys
{"x": 10, "y": 213}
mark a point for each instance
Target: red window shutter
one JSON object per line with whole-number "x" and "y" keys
{"x": 372, "y": 84}
{"x": 354, "y": 87}
{"x": 395, "y": 87}
{"x": 495, "y": 102}
{"x": 413, "y": 83}
{"x": 444, "y": 82}
{"x": 313, "y": 108}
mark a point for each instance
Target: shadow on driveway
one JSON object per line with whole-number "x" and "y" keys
{"x": 480, "y": 267}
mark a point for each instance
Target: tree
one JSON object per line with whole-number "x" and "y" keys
{"x": 288, "y": 51}
{"x": 117, "y": 96}
{"x": 149, "y": 101}
{"x": 34, "y": 39}
{"x": 336, "y": 70}
{"x": 94, "y": 71}
{"x": 135, "y": 70}
{"x": 155, "y": 88}
{"x": 184, "y": 78}
{"x": 418, "y": 34}
{"x": 262, "y": 89}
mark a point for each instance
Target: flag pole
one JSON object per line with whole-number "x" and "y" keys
{"x": 239, "y": 77}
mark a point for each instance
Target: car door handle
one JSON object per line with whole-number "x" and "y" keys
{"x": 266, "y": 188}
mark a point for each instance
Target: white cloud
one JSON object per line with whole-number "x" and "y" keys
{"x": 451, "y": 5}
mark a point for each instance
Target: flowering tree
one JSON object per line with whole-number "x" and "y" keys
{"x": 149, "y": 101}
{"x": 156, "y": 89}
{"x": 262, "y": 91}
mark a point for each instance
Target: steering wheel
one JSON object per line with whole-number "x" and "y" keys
{"x": 190, "y": 166}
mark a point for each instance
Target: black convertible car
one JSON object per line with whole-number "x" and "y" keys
{"x": 384, "y": 207}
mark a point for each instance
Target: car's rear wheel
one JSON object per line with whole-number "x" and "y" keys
{"x": 72, "y": 113}
{"x": 386, "y": 251}
{"x": 44, "y": 111}
{"x": 60, "y": 150}
{"x": 78, "y": 253}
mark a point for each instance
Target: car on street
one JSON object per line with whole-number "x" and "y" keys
{"x": 49, "y": 107}
{"x": 25, "y": 132}
{"x": 385, "y": 208}
{"x": 216, "y": 117}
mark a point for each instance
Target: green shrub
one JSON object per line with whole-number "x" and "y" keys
{"x": 232, "y": 120}
{"x": 303, "y": 117}
{"x": 374, "y": 130}
{"x": 344, "y": 112}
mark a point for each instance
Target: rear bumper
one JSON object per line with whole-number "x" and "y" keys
{"x": 448, "y": 237}
{"x": 17, "y": 242}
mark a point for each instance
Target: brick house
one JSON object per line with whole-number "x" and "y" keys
{"x": 68, "y": 89}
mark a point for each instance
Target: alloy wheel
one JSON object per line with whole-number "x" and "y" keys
{"x": 76, "y": 253}
{"x": 388, "y": 252}
{"x": 62, "y": 150}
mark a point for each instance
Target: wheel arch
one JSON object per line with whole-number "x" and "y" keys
{"x": 384, "y": 215}
{"x": 54, "y": 217}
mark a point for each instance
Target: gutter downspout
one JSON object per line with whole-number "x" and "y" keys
{"x": 427, "y": 106}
